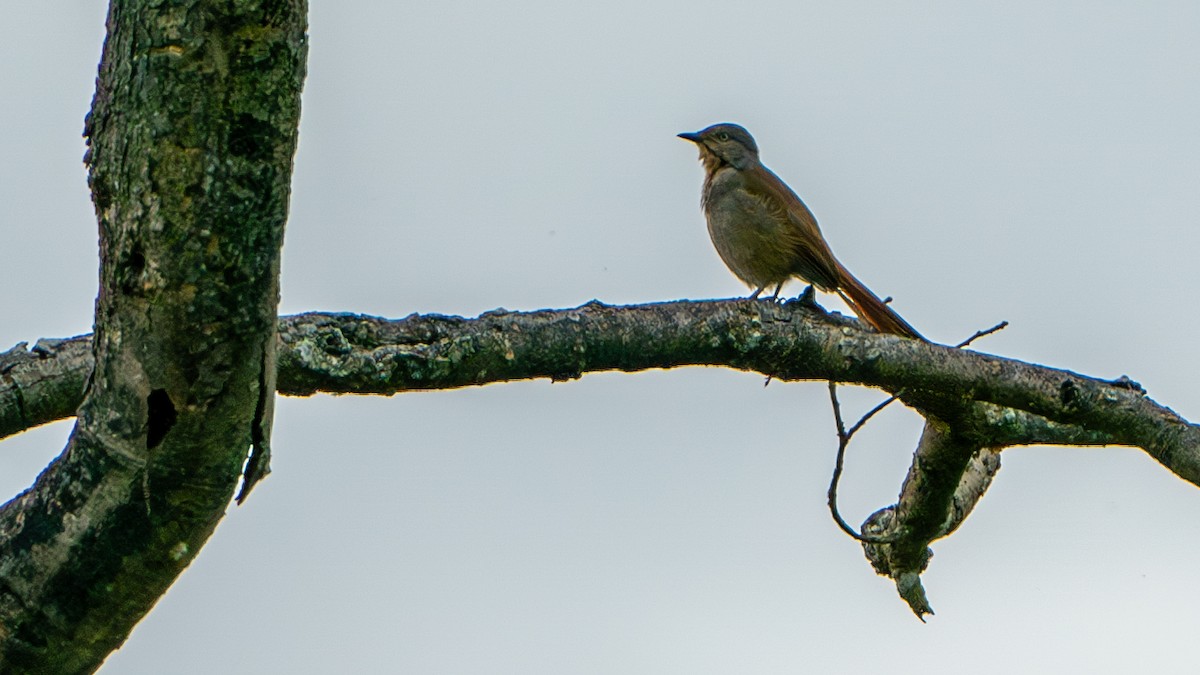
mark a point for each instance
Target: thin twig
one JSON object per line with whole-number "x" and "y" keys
{"x": 871, "y": 413}
{"x": 843, "y": 443}
{"x": 978, "y": 334}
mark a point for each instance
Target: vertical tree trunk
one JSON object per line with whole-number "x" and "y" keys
{"x": 192, "y": 133}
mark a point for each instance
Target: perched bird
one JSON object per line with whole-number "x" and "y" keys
{"x": 766, "y": 235}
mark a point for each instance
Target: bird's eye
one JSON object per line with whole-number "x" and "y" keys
{"x": 723, "y": 136}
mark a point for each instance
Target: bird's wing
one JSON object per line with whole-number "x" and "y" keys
{"x": 814, "y": 260}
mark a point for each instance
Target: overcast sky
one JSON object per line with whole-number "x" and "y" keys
{"x": 1025, "y": 161}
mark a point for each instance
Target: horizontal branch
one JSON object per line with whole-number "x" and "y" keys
{"x": 352, "y": 353}
{"x": 974, "y": 404}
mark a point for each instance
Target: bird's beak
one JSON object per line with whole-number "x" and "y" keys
{"x": 690, "y": 136}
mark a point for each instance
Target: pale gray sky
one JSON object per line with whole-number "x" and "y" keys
{"x": 1030, "y": 161}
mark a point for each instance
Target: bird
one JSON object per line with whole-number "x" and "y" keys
{"x": 766, "y": 235}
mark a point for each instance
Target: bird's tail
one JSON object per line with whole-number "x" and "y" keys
{"x": 870, "y": 308}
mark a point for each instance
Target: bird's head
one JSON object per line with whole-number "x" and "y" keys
{"x": 724, "y": 143}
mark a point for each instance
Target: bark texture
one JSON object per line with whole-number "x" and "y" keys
{"x": 975, "y": 404}
{"x": 191, "y": 134}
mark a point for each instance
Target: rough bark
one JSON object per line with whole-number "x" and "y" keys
{"x": 191, "y": 134}
{"x": 352, "y": 353}
{"x": 975, "y": 404}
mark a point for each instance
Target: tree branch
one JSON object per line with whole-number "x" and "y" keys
{"x": 1031, "y": 404}
{"x": 358, "y": 354}
{"x": 975, "y": 404}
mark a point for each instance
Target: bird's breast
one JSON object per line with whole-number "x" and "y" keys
{"x": 747, "y": 230}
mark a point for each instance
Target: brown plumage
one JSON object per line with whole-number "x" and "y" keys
{"x": 766, "y": 235}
